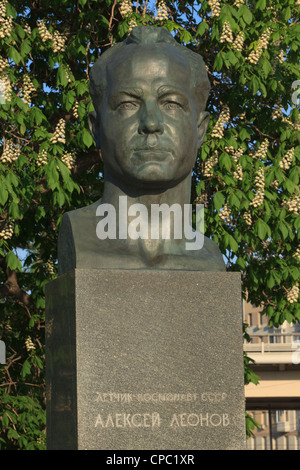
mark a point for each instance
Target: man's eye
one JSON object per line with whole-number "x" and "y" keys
{"x": 172, "y": 105}
{"x": 128, "y": 105}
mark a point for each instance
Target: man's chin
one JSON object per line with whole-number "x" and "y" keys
{"x": 154, "y": 174}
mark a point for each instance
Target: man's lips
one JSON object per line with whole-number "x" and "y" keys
{"x": 146, "y": 154}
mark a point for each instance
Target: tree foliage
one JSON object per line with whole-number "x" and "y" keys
{"x": 246, "y": 173}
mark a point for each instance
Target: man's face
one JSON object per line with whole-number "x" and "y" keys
{"x": 148, "y": 120}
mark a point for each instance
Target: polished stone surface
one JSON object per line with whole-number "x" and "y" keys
{"x": 142, "y": 359}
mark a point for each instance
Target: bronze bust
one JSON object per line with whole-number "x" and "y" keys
{"x": 149, "y": 95}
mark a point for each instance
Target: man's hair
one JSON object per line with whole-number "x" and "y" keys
{"x": 147, "y": 36}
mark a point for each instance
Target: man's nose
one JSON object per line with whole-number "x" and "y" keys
{"x": 150, "y": 119}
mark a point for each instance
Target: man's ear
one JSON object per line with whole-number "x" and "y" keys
{"x": 203, "y": 121}
{"x": 94, "y": 127}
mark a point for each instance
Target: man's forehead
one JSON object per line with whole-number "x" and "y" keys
{"x": 146, "y": 63}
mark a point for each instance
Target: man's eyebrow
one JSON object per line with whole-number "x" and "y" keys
{"x": 134, "y": 92}
{"x": 169, "y": 90}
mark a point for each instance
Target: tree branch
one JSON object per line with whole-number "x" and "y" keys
{"x": 11, "y": 287}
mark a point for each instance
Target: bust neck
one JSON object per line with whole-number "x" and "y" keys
{"x": 151, "y": 249}
{"x": 113, "y": 189}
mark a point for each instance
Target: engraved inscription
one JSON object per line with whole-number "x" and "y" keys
{"x": 199, "y": 418}
{"x": 126, "y": 420}
{"x": 202, "y": 419}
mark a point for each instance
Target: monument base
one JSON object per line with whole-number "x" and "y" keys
{"x": 145, "y": 360}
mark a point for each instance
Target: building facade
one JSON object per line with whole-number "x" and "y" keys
{"x": 275, "y": 402}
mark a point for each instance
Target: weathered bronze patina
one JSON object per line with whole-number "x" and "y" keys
{"x": 149, "y": 95}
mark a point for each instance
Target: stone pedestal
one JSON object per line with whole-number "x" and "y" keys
{"x": 145, "y": 360}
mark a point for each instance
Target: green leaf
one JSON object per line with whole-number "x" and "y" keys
{"x": 14, "y": 55}
{"x": 232, "y": 243}
{"x": 283, "y": 229}
{"x": 247, "y": 15}
{"x": 234, "y": 201}
{"x": 61, "y": 77}
{"x": 231, "y": 57}
{"x": 70, "y": 99}
{"x": 261, "y": 5}
{"x": 13, "y": 261}
{"x": 225, "y": 161}
{"x": 186, "y": 37}
{"x": 25, "y": 48}
{"x": 218, "y": 62}
{"x": 203, "y": 26}
{"x": 26, "y": 369}
{"x": 3, "y": 193}
{"x": 244, "y": 134}
{"x": 219, "y": 200}
{"x": 20, "y": 31}
{"x": 267, "y": 67}
{"x": 261, "y": 229}
{"x": 270, "y": 281}
{"x": 287, "y": 13}
{"x": 87, "y": 138}
{"x": 10, "y": 11}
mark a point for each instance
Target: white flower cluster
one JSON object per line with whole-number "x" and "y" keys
{"x": 75, "y": 110}
{"x": 281, "y": 57}
{"x": 50, "y": 267}
{"x": 5, "y": 88}
{"x": 44, "y": 33}
{"x": 5, "y": 23}
{"x": 28, "y": 88}
{"x": 29, "y": 344}
{"x": 3, "y": 64}
{"x": 239, "y": 3}
{"x": 69, "y": 160}
{"x": 8, "y": 327}
{"x": 125, "y": 7}
{"x": 215, "y": 7}
{"x": 131, "y": 24}
{"x": 292, "y": 294}
{"x": 248, "y": 219}
{"x": 263, "y": 149}
{"x": 230, "y": 149}
{"x": 59, "y": 133}
{"x": 238, "y": 153}
{"x": 68, "y": 73}
{"x": 225, "y": 214}
{"x": 162, "y": 11}
{"x": 27, "y": 28}
{"x": 226, "y": 35}
{"x": 293, "y": 204}
{"x": 238, "y": 173}
{"x": 276, "y": 112}
{"x": 274, "y": 184}
{"x": 259, "y": 182}
{"x": 42, "y": 158}
{"x": 40, "y": 440}
{"x": 238, "y": 43}
{"x": 59, "y": 40}
{"x": 261, "y": 45}
{"x": 8, "y": 231}
{"x": 213, "y": 160}
{"x": 297, "y": 254}
{"x": 218, "y": 130}
{"x": 11, "y": 152}
{"x": 295, "y": 125}
{"x": 286, "y": 161}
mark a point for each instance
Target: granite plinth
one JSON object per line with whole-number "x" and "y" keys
{"x": 141, "y": 359}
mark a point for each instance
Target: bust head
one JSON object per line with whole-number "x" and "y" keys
{"x": 149, "y": 95}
